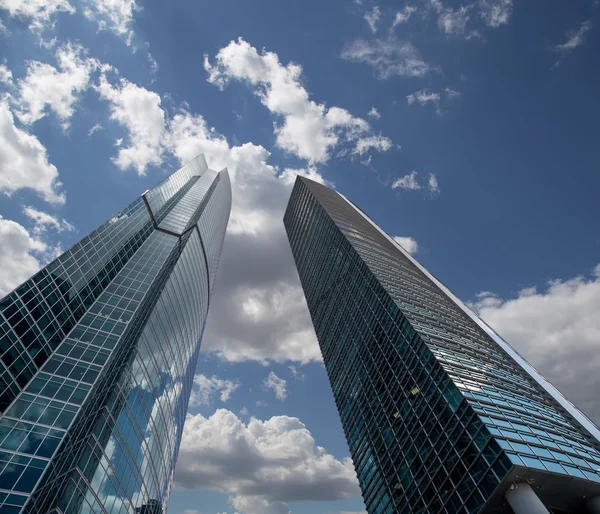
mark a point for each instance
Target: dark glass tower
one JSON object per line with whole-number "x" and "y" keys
{"x": 99, "y": 351}
{"x": 441, "y": 415}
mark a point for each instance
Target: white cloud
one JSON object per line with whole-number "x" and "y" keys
{"x": 113, "y": 15}
{"x": 42, "y": 221}
{"x": 452, "y": 93}
{"x": 24, "y": 161}
{"x": 206, "y": 388}
{"x": 408, "y": 243}
{"x": 427, "y": 96}
{"x": 307, "y": 129}
{"x": 388, "y": 57}
{"x": 258, "y": 505}
{"x": 153, "y": 64}
{"x": 410, "y": 183}
{"x": 372, "y": 18}
{"x": 495, "y": 12}
{"x": 263, "y": 464}
{"x": 575, "y": 38}
{"x": 95, "y": 129}
{"x": 407, "y": 182}
{"x": 271, "y": 320}
{"x": 557, "y": 330}
{"x": 278, "y": 385}
{"x": 20, "y": 255}
{"x": 453, "y": 22}
{"x": 404, "y": 15}
{"x": 423, "y": 97}
{"x": 258, "y": 311}
{"x": 296, "y": 374}
{"x": 6, "y": 76}
{"x": 288, "y": 176}
{"x": 379, "y": 143}
{"x": 374, "y": 113}
{"x": 432, "y": 184}
{"x": 46, "y": 87}
{"x": 139, "y": 111}
{"x": 40, "y": 13}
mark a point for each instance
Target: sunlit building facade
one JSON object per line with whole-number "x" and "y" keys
{"x": 440, "y": 414}
{"x": 99, "y": 350}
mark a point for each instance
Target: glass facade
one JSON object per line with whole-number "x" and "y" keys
{"x": 99, "y": 351}
{"x": 440, "y": 414}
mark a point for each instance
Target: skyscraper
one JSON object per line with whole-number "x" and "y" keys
{"x": 99, "y": 350}
{"x": 441, "y": 415}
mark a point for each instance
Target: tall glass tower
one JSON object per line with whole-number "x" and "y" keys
{"x": 99, "y": 350}
{"x": 441, "y": 415}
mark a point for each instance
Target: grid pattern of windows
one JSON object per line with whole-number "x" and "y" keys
{"x": 435, "y": 413}
{"x": 98, "y": 427}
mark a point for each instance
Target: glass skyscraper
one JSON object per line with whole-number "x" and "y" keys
{"x": 440, "y": 414}
{"x": 99, "y": 350}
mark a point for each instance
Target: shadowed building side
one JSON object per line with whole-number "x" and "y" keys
{"x": 441, "y": 415}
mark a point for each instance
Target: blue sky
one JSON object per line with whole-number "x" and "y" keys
{"x": 468, "y": 130}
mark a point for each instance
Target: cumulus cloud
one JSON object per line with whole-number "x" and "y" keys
{"x": 20, "y": 256}
{"x": 139, "y": 111}
{"x": 388, "y": 57}
{"x": 307, "y": 129}
{"x": 258, "y": 311}
{"x": 262, "y": 464}
{"x": 372, "y": 18}
{"x": 258, "y": 505}
{"x": 404, "y": 15}
{"x": 408, "y": 243}
{"x": 57, "y": 89}
{"x": 24, "y": 161}
{"x": 259, "y": 318}
{"x": 495, "y": 12}
{"x": 43, "y": 221}
{"x": 277, "y": 385}
{"x": 39, "y": 13}
{"x": 206, "y": 388}
{"x": 557, "y": 329}
{"x": 113, "y": 15}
